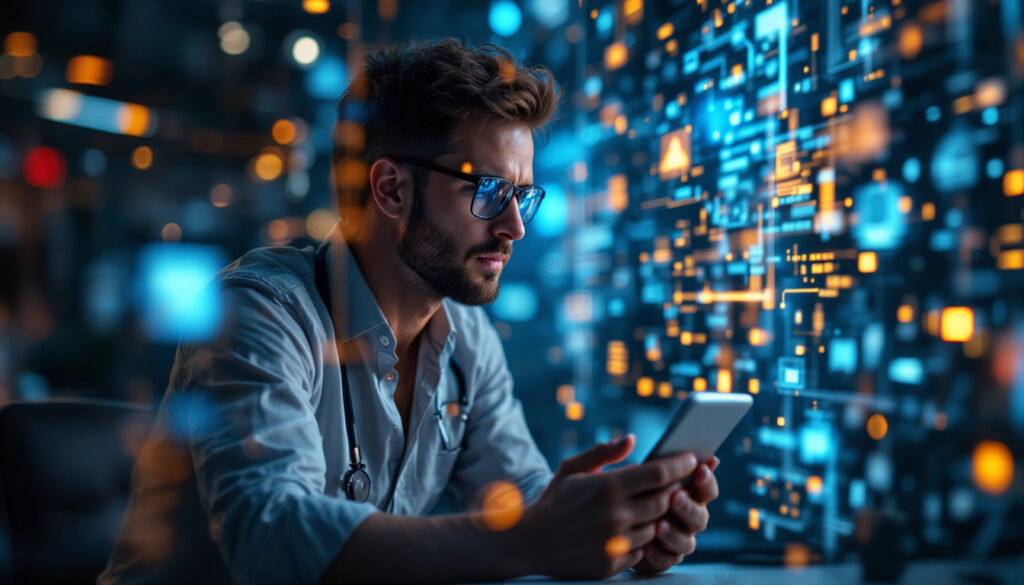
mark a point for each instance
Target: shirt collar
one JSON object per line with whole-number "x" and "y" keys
{"x": 362, "y": 313}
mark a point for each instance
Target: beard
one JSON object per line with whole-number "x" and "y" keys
{"x": 432, "y": 252}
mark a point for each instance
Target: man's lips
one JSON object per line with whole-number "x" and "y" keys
{"x": 493, "y": 261}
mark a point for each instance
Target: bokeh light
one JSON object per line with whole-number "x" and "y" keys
{"x": 502, "y": 505}
{"x": 992, "y": 467}
{"x": 89, "y": 70}
{"x": 877, "y": 427}
{"x": 505, "y": 18}
{"x": 283, "y": 131}
{"x": 268, "y": 166}
{"x": 44, "y": 167}
{"x": 616, "y": 546}
{"x": 305, "y": 50}
{"x": 234, "y": 39}
{"x": 142, "y": 157}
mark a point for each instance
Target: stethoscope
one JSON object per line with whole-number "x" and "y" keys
{"x": 356, "y": 481}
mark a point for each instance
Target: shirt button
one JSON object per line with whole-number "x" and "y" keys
{"x": 390, "y": 377}
{"x": 383, "y": 339}
{"x": 394, "y": 430}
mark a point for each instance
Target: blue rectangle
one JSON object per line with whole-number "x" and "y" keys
{"x": 846, "y": 92}
{"x": 741, "y": 163}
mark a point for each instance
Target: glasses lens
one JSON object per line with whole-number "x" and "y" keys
{"x": 492, "y": 195}
{"x": 529, "y": 202}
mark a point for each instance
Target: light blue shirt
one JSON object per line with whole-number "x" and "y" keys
{"x": 241, "y": 477}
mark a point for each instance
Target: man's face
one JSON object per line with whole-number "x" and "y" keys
{"x": 458, "y": 255}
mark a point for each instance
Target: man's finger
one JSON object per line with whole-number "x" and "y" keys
{"x": 704, "y": 486}
{"x": 633, "y": 558}
{"x": 693, "y": 515}
{"x": 593, "y": 459}
{"x": 659, "y": 559}
{"x": 673, "y": 536}
{"x": 652, "y": 505}
{"x": 714, "y": 462}
{"x": 677, "y": 542}
{"x": 656, "y": 474}
{"x": 641, "y": 535}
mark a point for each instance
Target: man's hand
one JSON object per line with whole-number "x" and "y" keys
{"x": 593, "y": 525}
{"x": 677, "y": 531}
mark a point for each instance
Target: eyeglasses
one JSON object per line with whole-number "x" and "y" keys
{"x": 452, "y": 418}
{"x": 492, "y": 193}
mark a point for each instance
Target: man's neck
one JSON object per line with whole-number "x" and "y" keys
{"x": 407, "y": 307}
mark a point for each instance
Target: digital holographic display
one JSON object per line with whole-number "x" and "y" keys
{"x": 817, "y": 203}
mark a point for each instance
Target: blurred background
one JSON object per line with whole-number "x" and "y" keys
{"x": 817, "y": 203}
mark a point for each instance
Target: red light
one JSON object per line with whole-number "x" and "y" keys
{"x": 44, "y": 167}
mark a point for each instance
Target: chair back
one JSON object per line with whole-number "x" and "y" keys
{"x": 65, "y": 467}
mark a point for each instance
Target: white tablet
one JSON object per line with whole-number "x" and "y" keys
{"x": 701, "y": 424}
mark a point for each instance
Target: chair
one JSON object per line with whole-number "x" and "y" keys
{"x": 64, "y": 471}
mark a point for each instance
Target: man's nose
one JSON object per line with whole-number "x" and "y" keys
{"x": 509, "y": 225}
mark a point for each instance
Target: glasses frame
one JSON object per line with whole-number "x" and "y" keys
{"x": 449, "y": 443}
{"x": 515, "y": 190}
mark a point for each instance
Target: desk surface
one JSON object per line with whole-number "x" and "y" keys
{"x": 960, "y": 572}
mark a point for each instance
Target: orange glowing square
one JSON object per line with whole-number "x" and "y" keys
{"x": 754, "y": 386}
{"x": 615, "y": 56}
{"x": 906, "y": 204}
{"x": 700, "y": 384}
{"x": 675, "y": 155}
{"x": 565, "y": 394}
{"x": 644, "y": 386}
{"x": 89, "y": 70}
{"x": 316, "y": 6}
{"x": 665, "y": 390}
{"x": 905, "y": 314}
{"x": 957, "y": 324}
{"x": 724, "y": 381}
{"x": 829, "y": 106}
{"x": 618, "y": 192}
{"x": 1013, "y": 183}
{"x": 574, "y": 411}
{"x": 758, "y": 336}
{"x": 814, "y": 485}
{"x": 867, "y": 262}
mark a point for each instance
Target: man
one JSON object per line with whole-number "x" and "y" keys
{"x": 272, "y": 480}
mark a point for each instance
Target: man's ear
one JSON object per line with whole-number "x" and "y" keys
{"x": 390, "y": 187}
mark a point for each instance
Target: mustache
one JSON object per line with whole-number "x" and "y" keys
{"x": 497, "y": 247}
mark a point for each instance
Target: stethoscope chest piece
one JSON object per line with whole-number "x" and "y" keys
{"x": 357, "y": 483}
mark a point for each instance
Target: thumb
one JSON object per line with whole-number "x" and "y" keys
{"x": 598, "y": 456}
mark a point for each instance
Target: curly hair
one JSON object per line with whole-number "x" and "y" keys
{"x": 410, "y": 100}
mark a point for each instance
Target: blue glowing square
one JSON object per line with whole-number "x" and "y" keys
{"x": 906, "y": 370}
{"x": 791, "y": 373}
{"x": 691, "y": 61}
{"x": 815, "y": 443}
{"x": 858, "y": 494}
{"x": 880, "y": 222}
{"x": 846, "y": 92}
{"x": 771, "y": 21}
{"x": 516, "y": 302}
{"x": 842, "y": 355}
{"x": 176, "y": 296}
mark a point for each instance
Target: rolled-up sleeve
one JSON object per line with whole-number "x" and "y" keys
{"x": 498, "y": 444}
{"x": 257, "y": 449}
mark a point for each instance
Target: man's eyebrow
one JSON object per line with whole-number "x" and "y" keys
{"x": 487, "y": 173}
